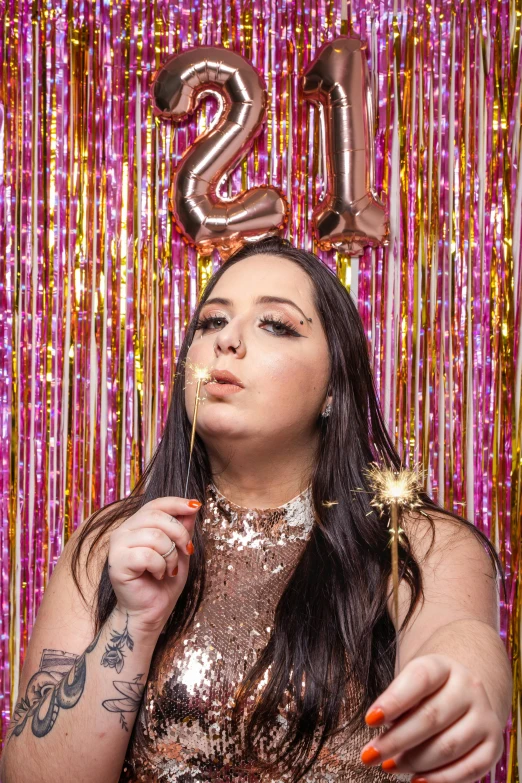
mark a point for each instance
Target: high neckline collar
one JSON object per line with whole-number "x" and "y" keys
{"x": 305, "y": 494}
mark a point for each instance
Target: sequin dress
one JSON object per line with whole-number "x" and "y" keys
{"x": 182, "y": 730}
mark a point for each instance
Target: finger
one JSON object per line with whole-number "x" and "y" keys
{"x": 468, "y": 769}
{"x": 420, "y": 677}
{"x": 446, "y": 746}
{"x": 173, "y": 505}
{"x": 183, "y": 509}
{"x": 188, "y": 521}
{"x": 172, "y": 527}
{"x": 141, "y": 559}
{"x": 430, "y": 717}
{"x": 156, "y": 539}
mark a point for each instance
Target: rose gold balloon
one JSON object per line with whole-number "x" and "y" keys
{"x": 351, "y": 215}
{"x": 206, "y": 220}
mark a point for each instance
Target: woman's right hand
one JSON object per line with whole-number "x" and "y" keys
{"x": 147, "y": 585}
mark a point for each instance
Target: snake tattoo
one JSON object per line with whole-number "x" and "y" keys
{"x": 58, "y": 685}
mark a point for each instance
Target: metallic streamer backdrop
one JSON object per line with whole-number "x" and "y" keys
{"x": 97, "y": 286}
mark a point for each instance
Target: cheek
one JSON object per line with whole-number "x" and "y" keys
{"x": 202, "y": 354}
{"x": 200, "y": 351}
{"x": 288, "y": 379}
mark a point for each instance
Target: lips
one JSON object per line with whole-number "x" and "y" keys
{"x": 224, "y": 377}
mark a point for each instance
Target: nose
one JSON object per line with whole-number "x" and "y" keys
{"x": 228, "y": 340}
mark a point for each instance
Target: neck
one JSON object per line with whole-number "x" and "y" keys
{"x": 254, "y": 479}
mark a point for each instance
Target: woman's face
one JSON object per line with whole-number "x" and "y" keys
{"x": 283, "y": 367}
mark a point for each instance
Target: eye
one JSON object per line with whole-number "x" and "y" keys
{"x": 204, "y": 323}
{"x": 281, "y": 327}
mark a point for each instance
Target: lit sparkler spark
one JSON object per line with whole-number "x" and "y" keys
{"x": 390, "y": 486}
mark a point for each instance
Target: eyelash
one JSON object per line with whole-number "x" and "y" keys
{"x": 265, "y": 319}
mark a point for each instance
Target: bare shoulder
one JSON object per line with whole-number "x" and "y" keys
{"x": 459, "y": 579}
{"x": 438, "y": 540}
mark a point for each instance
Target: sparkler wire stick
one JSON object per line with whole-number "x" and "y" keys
{"x": 201, "y": 374}
{"x": 396, "y": 491}
{"x": 394, "y": 510}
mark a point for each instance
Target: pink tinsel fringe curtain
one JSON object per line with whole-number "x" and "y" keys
{"x": 97, "y": 286}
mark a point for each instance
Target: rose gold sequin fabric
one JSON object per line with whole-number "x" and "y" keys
{"x": 183, "y": 725}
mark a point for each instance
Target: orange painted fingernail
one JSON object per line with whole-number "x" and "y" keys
{"x": 369, "y": 755}
{"x": 194, "y": 503}
{"x": 418, "y": 780}
{"x": 374, "y": 717}
{"x": 175, "y": 571}
{"x": 190, "y": 548}
{"x": 388, "y": 765}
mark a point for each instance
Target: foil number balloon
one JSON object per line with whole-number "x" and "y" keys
{"x": 206, "y": 220}
{"x": 351, "y": 214}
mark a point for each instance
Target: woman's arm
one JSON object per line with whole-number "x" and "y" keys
{"x": 460, "y": 613}
{"x": 447, "y": 707}
{"x": 73, "y": 722}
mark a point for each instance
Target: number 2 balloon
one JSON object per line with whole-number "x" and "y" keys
{"x": 206, "y": 220}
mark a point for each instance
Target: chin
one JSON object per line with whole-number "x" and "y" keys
{"x": 221, "y": 420}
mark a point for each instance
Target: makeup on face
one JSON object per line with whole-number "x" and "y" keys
{"x": 259, "y": 300}
{"x": 222, "y": 383}
{"x": 222, "y": 389}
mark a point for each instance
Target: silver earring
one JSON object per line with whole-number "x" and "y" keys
{"x": 327, "y": 411}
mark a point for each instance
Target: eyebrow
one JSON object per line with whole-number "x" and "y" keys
{"x": 259, "y": 300}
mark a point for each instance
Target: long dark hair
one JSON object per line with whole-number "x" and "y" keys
{"x": 331, "y": 622}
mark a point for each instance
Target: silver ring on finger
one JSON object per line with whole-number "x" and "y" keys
{"x": 172, "y": 548}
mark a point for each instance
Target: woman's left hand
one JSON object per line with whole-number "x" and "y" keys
{"x": 443, "y": 726}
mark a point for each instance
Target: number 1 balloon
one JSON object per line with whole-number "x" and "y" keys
{"x": 206, "y": 220}
{"x": 351, "y": 215}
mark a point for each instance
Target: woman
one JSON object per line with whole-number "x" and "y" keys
{"x": 270, "y": 640}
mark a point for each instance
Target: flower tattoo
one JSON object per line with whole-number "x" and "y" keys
{"x": 114, "y": 655}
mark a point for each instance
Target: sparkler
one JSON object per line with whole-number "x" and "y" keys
{"x": 201, "y": 374}
{"x": 397, "y": 491}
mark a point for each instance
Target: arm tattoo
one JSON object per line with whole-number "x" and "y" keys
{"x": 132, "y": 691}
{"x": 114, "y": 655}
{"x": 60, "y": 682}
{"x": 56, "y": 685}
